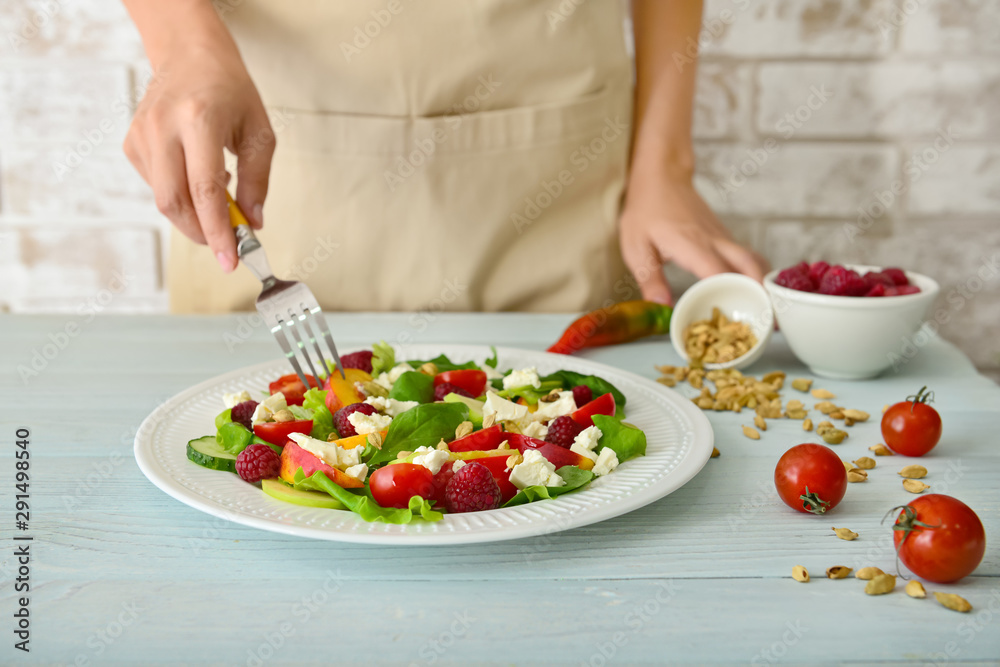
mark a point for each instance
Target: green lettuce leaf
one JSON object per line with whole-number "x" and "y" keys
{"x": 492, "y": 361}
{"x": 423, "y": 426}
{"x": 599, "y": 386}
{"x": 413, "y": 386}
{"x": 383, "y": 358}
{"x": 363, "y": 504}
{"x": 223, "y": 418}
{"x": 315, "y": 402}
{"x": 443, "y": 364}
{"x": 574, "y": 477}
{"x": 529, "y": 393}
{"x": 625, "y": 440}
{"x": 234, "y": 438}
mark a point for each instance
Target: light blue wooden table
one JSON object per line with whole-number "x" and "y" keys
{"x": 123, "y": 574}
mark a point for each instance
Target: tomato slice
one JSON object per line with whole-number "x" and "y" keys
{"x": 393, "y": 486}
{"x": 602, "y": 405}
{"x": 277, "y": 433}
{"x": 487, "y": 438}
{"x": 293, "y": 389}
{"x": 553, "y": 453}
{"x": 469, "y": 379}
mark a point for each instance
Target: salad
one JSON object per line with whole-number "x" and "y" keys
{"x": 395, "y": 442}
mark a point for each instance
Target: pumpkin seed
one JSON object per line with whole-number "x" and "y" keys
{"x": 464, "y": 429}
{"x": 796, "y": 414}
{"x": 822, "y": 393}
{"x": 375, "y": 440}
{"x": 443, "y": 446}
{"x": 865, "y": 463}
{"x": 823, "y": 426}
{"x": 913, "y": 472}
{"x": 715, "y": 452}
{"x": 374, "y": 389}
{"x": 857, "y": 475}
{"x": 953, "y": 602}
{"x": 800, "y": 573}
{"x": 668, "y": 381}
{"x": 915, "y": 589}
{"x": 915, "y": 486}
{"x": 880, "y": 585}
{"x": 857, "y": 415}
{"x": 837, "y": 572}
{"x": 429, "y": 368}
{"x": 504, "y": 445}
{"x": 807, "y": 425}
{"x": 489, "y": 420}
{"x": 848, "y": 466}
{"x": 751, "y": 433}
{"x": 845, "y": 533}
{"x": 869, "y": 572}
{"x": 881, "y": 450}
{"x": 885, "y": 408}
{"x": 826, "y": 407}
{"x": 848, "y": 421}
{"x": 834, "y": 436}
{"x": 794, "y": 405}
{"x": 759, "y": 422}
{"x": 402, "y": 454}
{"x": 282, "y": 416}
{"x": 801, "y": 384}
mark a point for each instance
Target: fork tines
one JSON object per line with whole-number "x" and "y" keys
{"x": 306, "y": 326}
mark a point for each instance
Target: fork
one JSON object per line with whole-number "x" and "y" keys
{"x": 288, "y": 306}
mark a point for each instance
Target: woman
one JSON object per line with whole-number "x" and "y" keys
{"x": 471, "y": 154}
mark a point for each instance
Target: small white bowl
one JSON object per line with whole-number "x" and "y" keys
{"x": 739, "y": 297}
{"x": 849, "y": 337}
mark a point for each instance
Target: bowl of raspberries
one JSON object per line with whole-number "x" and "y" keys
{"x": 849, "y": 321}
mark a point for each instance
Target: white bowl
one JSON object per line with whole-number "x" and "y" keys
{"x": 739, "y": 298}
{"x": 849, "y": 337}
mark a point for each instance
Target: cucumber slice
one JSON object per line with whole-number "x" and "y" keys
{"x": 207, "y": 453}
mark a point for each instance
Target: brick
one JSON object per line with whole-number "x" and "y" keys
{"x": 793, "y": 28}
{"x": 945, "y": 26}
{"x": 897, "y": 99}
{"x": 39, "y": 180}
{"x": 791, "y": 179}
{"x": 961, "y": 179}
{"x": 62, "y": 267}
{"x": 64, "y": 103}
{"x": 68, "y": 29}
{"x": 722, "y": 101}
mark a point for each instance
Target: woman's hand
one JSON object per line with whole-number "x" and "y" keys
{"x": 665, "y": 220}
{"x": 200, "y": 100}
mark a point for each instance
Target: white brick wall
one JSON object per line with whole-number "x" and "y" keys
{"x": 837, "y": 101}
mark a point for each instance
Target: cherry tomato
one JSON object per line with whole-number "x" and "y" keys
{"x": 469, "y": 379}
{"x": 394, "y": 485}
{"x": 939, "y": 538}
{"x": 810, "y": 478}
{"x": 291, "y": 386}
{"x": 912, "y": 427}
{"x": 277, "y": 433}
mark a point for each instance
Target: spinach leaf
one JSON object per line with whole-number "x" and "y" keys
{"x": 574, "y": 477}
{"x": 315, "y": 400}
{"x": 363, "y": 504}
{"x": 492, "y": 361}
{"x": 234, "y": 438}
{"x": 625, "y": 440}
{"x": 413, "y": 386}
{"x": 423, "y": 426}
{"x": 383, "y": 358}
{"x": 599, "y": 386}
{"x": 443, "y": 364}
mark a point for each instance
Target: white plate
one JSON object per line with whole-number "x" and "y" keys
{"x": 679, "y": 437}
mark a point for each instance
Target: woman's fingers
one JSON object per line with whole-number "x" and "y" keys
{"x": 744, "y": 260}
{"x": 170, "y": 188}
{"x": 253, "y": 168}
{"x": 644, "y": 262}
{"x": 206, "y": 174}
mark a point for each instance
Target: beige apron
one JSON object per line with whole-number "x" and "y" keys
{"x": 434, "y": 154}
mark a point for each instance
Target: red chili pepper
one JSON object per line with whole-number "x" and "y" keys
{"x": 621, "y": 323}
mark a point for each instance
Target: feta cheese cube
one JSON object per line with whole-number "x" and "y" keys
{"x": 557, "y": 408}
{"x": 526, "y": 377}
{"x": 265, "y": 409}
{"x": 431, "y": 458}
{"x": 327, "y": 452}
{"x": 358, "y": 472}
{"x": 388, "y": 379}
{"x": 365, "y": 424}
{"x": 232, "y": 400}
{"x": 535, "y": 470}
{"x": 390, "y": 406}
{"x": 348, "y": 457}
{"x": 586, "y": 441}
{"x": 583, "y": 451}
{"x": 607, "y": 461}
{"x": 535, "y": 430}
{"x": 503, "y": 409}
{"x": 491, "y": 373}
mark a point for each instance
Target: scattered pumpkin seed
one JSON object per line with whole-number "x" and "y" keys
{"x": 869, "y": 572}
{"x": 848, "y": 421}
{"x": 826, "y": 407}
{"x": 848, "y": 466}
{"x": 913, "y": 472}
{"x": 823, "y": 426}
{"x": 880, "y": 585}
{"x": 953, "y": 602}
{"x": 857, "y": 475}
{"x": 665, "y": 380}
{"x": 845, "y": 533}
{"x": 504, "y": 445}
{"x": 822, "y": 393}
{"x": 375, "y": 440}
{"x": 464, "y": 429}
{"x": 857, "y": 415}
{"x": 915, "y": 486}
{"x": 489, "y": 420}
{"x": 807, "y": 425}
{"x": 513, "y": 460}
{"x": 443, "y": 446}
{"x": 833, "y": 436}
{"x": 794, "y": 404}
{"x": 429, "y": 368}
{"x": 885, "y": 408}
{"x": 800, "y": 573}
{"x": 715, "y": 452}
{"x": 796, "y": 414}
{"x": 837, "y": 572}
{"x": 915, "y": 589}
{"x": 801, "y": 384}
{"x": 759, "y": 422}
{"x": 881, "y": 450}
{"x": 751, "y": 433}
{"x": 282, "y": 416}
{"x": 865, "y": 463}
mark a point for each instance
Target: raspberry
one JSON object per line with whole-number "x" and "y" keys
{"x": 873, "y": 278}
{"x": 445, "y": 388}
{"x": 901, "y": 290}
{"x": 472, "y": 489}
{"x": 582, "y": 395}
{"x": 242, "y": 412}
{"x": 361, "y": 360}
{"x": 258, "y": 462}
{"x": 897, "y": 276}
{"x": 794, "y": 279}
{"x": 816, "y": 271}
{"x": 877, "y": 290}
{"x": 341, "y": 422}
{"x": 563, "y": 431}
{"x": 841, "y": 281}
